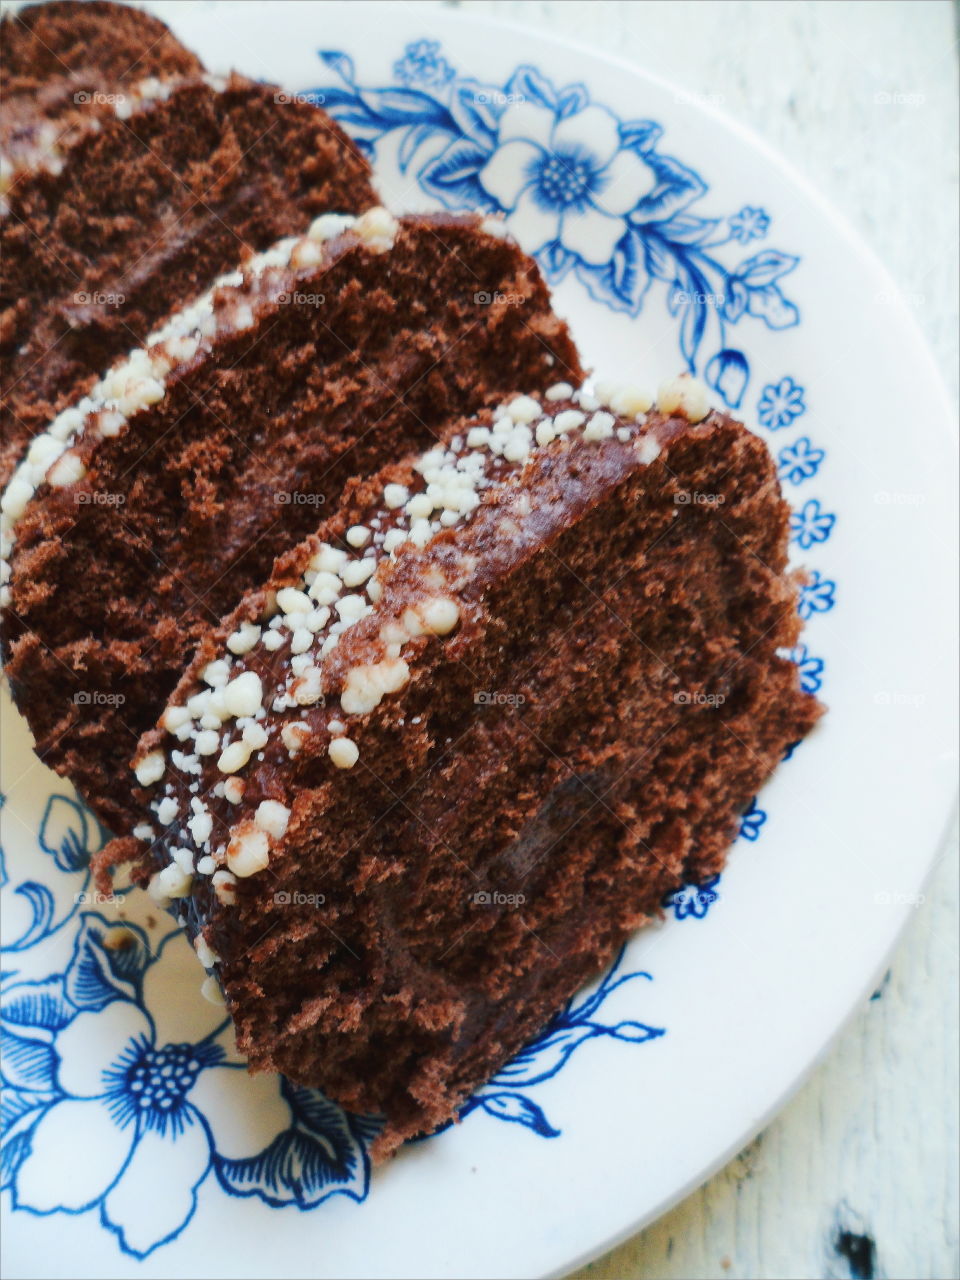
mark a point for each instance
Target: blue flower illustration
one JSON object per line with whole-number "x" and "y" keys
{"x": 566, "y": 179}
{"x": 810, "y": 525}
{"x": 780, "y": 404}
{"x": 811, "y": 669}
{"x": 505, "y": 1096}
{"x": 422, "y": 64}
{"x": 816, "y": 596}
{"x": 749, "y": 224}
{"x": 800, "y": 460}
{"x": 752, "y": 821}
{"x": 109, "y": 1084}
{"x": 693, "y": 901}
{"x": 588, "y": 193}
{"x": 68, "y": 835}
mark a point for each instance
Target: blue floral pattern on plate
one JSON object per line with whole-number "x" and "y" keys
{"x": 85, "y": 1047}
{"x": 583, "y": 190}
{"x": 781, "y": 403}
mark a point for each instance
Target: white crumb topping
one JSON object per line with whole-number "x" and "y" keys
{"x": 304, "y": 621}
{"x": 141, "y": 378}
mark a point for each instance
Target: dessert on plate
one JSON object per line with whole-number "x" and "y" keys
{"x": 130, "y": 180}
{"x": 410, "y": 670}
{"x": 419, "y": 786}
{"x": 148, "y": 506}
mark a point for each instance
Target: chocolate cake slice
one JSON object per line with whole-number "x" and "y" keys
{"x": 418, "y": 788}
{"x": 117, "y": 44}
{"x": 145, "y": 510}
{"x": 126, "y": 199}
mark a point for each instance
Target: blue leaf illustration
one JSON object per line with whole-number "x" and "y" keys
{"x": 65, "y": 833}
{"x": 640, "y": 135}
{"x": 675, "y": 189}
{"x": 28, "y": 1064}
{"x": 520, "y": 1110}
{"x": 728, "y": 373}
{"x": 622, "y": 283}
{"x": 735, "y": 300}
{"x": 528, "y": 85}
{"x": 319, "y": 1156}
{"x": 769, "y": 305}
{"x": 660, "y": 260}
{"x": 42, "y": 908}
{"x": 412, "y": 141}
{"x": 571, "y": 100}
{"x": 555, "y": 260}
{"x": 95, "y": 975}
{"x": 766, "y": 267}
{"x": 545, "y": 1057}
{"x": 634, "y": 1032}
{"x": 21, "y": 1111}
{"x": 398, "y": 107}
{"x": 339, "y": 62}
{"x": 471, "y": 106}
{"x": 452, "y": 176}
{"x": 691, "y": 330}
{"x": 686, "y": 228}
{"x": 37, "y": 1008}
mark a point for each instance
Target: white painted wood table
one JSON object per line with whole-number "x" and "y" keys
{"x": 858, "y": 1175}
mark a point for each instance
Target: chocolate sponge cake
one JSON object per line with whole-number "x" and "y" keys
{"x": 44, "y": 44}
{"x": 126, "y": 198}
{"x": 144, "y": 510}
{"x": 420, "y": 786}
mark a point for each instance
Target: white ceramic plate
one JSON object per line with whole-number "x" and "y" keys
{"x": 135, "y": 1143}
